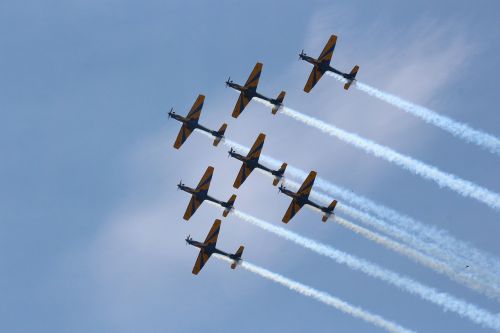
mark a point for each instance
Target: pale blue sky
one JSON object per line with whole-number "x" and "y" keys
{"x": 91, "y": 229}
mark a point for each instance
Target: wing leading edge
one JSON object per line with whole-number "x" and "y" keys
{"x": 213, "y": 234}
{"x": 314, "y": 77}
{"x": 195, "y": 112}
{"x": 254, "y": 152}
{"x": 307, "y": 185}
{"x": 253, "y": 79}
{"x": 242, "y": 102}
{"x": 193, "y": 205}
{"x": 184, "y": 133}
{"x": 204, "y": 183}
{"x": 294, "y": 207}
{"x": 327, "y": 53}
{"x": 245, "y": 171}
{"x": 202, "y": 259}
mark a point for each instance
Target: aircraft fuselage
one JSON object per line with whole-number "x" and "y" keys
{"x": 201, "y": 195}
{"x": 325, "y": 67}
{"x": 211, "y": 249}
{"x": 303, "y": 200}
{"x": 193, "y": 124}
{"x": 251, "y": 163}
{"x": 251, "y": 93}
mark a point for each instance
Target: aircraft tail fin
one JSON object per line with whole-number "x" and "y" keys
{"x": 238, "y": 255}
{"x": 279, "y": 174}
{"x": 279, "y": 101}
{"x": 229, "y": 205}
{"x": 220, "y": 134}
{"x": 352, "y": 77}
{"x": 329, "y": 210}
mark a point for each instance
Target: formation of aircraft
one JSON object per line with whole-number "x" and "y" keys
{"x": 301, "y": 198}
{"x": 322, "y": 65}
{"x": 251, "y": 161}
{"x": 200, "y": 194}
{"x": 249, "y": 91}
{"x": 190, "y": 123}
{"x": 207, "y": 248}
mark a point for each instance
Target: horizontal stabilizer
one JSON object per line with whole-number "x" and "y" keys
{"x": 238, "y": 255}
{"x": 329, "y": 210}
{"x": 220, "y": 134}
{"x": 229, "y": 205}
{"x": 352, "y": 77}
{"x": 279, "y": 174}
{"x": 332, "y": 206}
{"x": 182, "y": 136}
{"x": 279, "y": 102}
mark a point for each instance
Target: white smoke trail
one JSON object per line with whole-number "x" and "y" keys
{"x": 461, "y": 186}
{"x": 483, "y": 282}
{"x": 434, "y": 241}
{"x": 460, "y": 130}
{"x": 487, "y": 284}
{"x": 485, "y": 287}
{"x": 446, "y": 301}
{"x": 437, "y": 243}
{"x": 322, "y": 297}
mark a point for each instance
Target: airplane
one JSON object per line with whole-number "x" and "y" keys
{"x": 301, "y": 198}
{"x": 207, "y": 248}
{"x": 251, "y": 161}
{"x": 190, "y": 123}
{"x": 322, "y": 65}
{"x": 249, "y": 91}
{"x": 200, "y": 194}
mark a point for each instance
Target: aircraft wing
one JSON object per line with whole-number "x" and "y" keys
{"x": 254, "y": 152}
{"x": 294, "y": 207}
{"x": 182, "y": 136}
{"x": 242, "y": 175}
{"x": 194, "y": 203}
{"x": 211, "y": 239}
{"x": 326, "y": 55}
{"x": 201, "y": 261}
{"x": 242, "y": 102}
{"x": 195, "y": 112}
{"x": 307, "y": 185}
{"x": 204, "y": 183}
{"x": 253, "y": 79}
{"x": 213, "y": 233}
{"x": 314, "y": 77}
